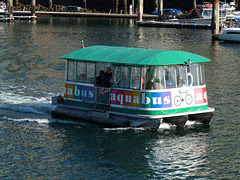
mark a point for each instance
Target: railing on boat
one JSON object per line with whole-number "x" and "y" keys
{"x": 102, "y": 95}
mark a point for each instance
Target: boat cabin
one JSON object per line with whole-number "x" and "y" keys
{"x": 135, "y": 80}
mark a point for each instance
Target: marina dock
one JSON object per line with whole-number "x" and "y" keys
{"x": 173, "y": 24}
{"x": 30, "y": 18}
{"x": 148, "y": 18}
{"x": 81, "y": 14}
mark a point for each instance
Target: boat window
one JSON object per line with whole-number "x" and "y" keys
{"x": 101, "y": 66}
{"x": 193, "y": 75}
{"x": 222, "y": 13}
{"x": 81, "y": 71}
{"x": 153, "y": 77}
{"x": 90, "y": 73}
{"x": 125, "y": 76}
{"x": 207, "y": 12}
{"x": 116, "y": 76}
{"x": 181, "y": 76}
{"x": 202, "y": 75}
{"x": 148, "y": 77}
{"x": 159, "y": 78}
{"x": 101, "y": 69}
{"x": 135, "y": 77}
{"x": 170, "y": 77}
{"x": 71, "y": 75}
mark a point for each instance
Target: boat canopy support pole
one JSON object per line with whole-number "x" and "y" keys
{"x": 140, "y": 10}
{"x": 160, "y": 8}
{"x": 215, "y": 18}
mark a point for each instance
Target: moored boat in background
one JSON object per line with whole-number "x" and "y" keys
{"x": 3, "y": 10}
{"x": 204, "y": 13}
{"x": 232, "y": 31}
{"x": 230, "y": 34}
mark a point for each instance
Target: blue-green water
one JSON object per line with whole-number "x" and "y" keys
{"x": 34, "y": 146}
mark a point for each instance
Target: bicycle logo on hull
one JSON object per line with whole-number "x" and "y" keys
{"x": 183, "y": 97}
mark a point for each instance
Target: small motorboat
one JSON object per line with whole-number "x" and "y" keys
{"x": 2, "y": 9}
{"x": 232, "y": 32}
{"x": 4, "y": 15}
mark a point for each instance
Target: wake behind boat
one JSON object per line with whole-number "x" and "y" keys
{"x": 147, "y": 87}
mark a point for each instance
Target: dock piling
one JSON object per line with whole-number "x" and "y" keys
{"x": 160, "y": 8}
{"x": 215, "y": 18}
{"x": 33, "y": 7}
{"x": 125, "y": 6}
{"x": 50, "y": 4}
{"x": 85, "y": 4}
{"x": 10, "y": 8}
{"x": 117, "y": 6}
{"x": 140, "y": 10}
{"x": 133, "y": 7}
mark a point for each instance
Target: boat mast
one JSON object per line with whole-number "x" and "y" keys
{"x": 194, "y": 4}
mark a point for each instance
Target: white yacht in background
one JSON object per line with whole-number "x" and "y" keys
{"x": 231, "y": 32}
{"x": 3, "y": 10}
{"x": 204, "y": 13}
{"x": 225, "y": 9}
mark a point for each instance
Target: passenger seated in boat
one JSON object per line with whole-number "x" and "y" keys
{"x": 150, "y": 78}
{"x": 106, "y": 78}
{"x": 181, "y": 83}
{"x": 169, "y": 80}
{"x": 99, "y": 78}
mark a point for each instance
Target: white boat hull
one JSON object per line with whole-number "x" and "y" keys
{"x": 118, "y": 119}
{"x": 230, "y": 34}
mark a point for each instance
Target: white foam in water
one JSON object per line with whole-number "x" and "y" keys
{"x": 124, "y": 129}
{"x": 15, "y": 99}
{"x": 190, "y": 123}
{"x": 69, "y": 122}
{"x": 40, "y": 109}
{"x": 40, "y": 121}
{"x": 165, "y": 126}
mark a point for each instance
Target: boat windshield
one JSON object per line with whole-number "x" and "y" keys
{"x": 207, "y": 12}
{"x": 167, "y": 12}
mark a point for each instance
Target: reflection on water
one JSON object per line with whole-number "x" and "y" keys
{"x": 181, "y": 157}
{"x": 35, "y": 146}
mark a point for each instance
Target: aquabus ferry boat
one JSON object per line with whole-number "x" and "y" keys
{"x": 134, "y": 87}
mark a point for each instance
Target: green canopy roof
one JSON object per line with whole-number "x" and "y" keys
{"x": 133, "y": 56}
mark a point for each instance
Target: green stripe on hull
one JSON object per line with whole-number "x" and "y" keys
{"x": 159, "y": 112}
{"x": 142, "y": 112}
